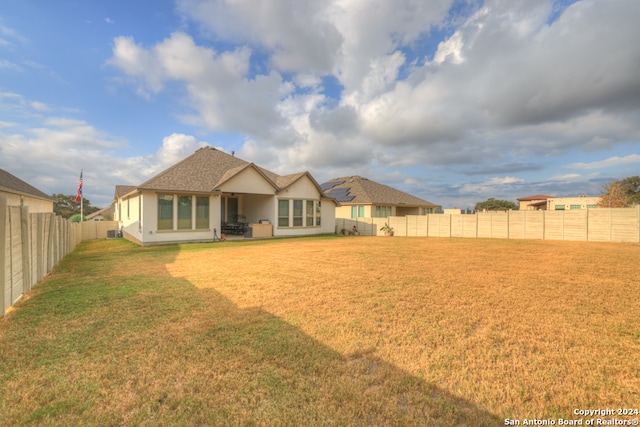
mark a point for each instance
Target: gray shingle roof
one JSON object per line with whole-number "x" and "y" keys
{"x": 205, "y": 170}
{"x": 121, "y": 190}
{"x": 109, "y": 210}
{"x": 200, "y": 172}
{"x": 356, "y": 190}
{"x": 12, "y": 184}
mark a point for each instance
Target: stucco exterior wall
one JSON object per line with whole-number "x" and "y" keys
{"x": 344, "y": 211}
{"x": 35, "y": 205}
{"x": 570, "y": 203}
{"x": 248, "y": 181}
{"x": 141, "y": 225}
{"x": 305, "y": 189}
{"x": 258, "y": 207}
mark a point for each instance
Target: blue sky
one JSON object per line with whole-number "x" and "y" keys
{"x": 452, "y": 101}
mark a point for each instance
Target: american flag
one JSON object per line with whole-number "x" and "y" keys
{"x": 79, "y": 195}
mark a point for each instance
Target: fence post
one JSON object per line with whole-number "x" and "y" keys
{"x": 40, "y": 248}
{"x": 586, "y": 224}
{"x": 477, "y": 224}
{"x": 26, "y": 254}
{"x": 50, "y": 240}
{"x": 3, "y": 253}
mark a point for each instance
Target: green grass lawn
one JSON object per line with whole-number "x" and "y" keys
{"x": 325, "y": 331}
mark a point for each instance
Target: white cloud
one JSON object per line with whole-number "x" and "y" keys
{"x": 607, "y": 163}
{"x": 509, "y": 84}
{"x": 8, "y": 65}
{"x": 217, "y": 84}
{"x": 176, "y": 147}
{"x": 40, "y": 106}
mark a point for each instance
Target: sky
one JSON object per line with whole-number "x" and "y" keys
{"x": 453, "y": 101}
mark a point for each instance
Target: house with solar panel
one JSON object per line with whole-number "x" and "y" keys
{"x": 211, "y": 193}
{"x": 361, "y": 197}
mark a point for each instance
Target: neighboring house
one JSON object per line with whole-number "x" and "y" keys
{"x": 571, "y": 203}
{"x": 553, "y": 203}
{"x": 362, "y": 198}
{"x": 212, "y": 190}
{"x": 104, "y": 214}
{"x": 534, "y": 203}
{"x": 19, "y": 193}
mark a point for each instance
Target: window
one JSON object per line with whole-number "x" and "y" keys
{"x": 202, "y": 212}
{"x": 283, "y": 213}
{"x": 318, "y": 210}
{"x": 574, "y": 207}
{"x": 297, "y": 213}
{"x": 592, "y": 206}
{"x": 559, "y": 207}
{"x": 304, "y": 213}
{"x": 184, "y": 212}
{"x": 426, "y": 211}
{"x": 357, "y": 211}
{"x": 310, "y": 213}
{"x": 383, "y": 211}
{"x": 165, "y": 212}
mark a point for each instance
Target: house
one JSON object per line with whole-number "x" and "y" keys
{"x": 552, "y": 203}
{"x": 572, "y": 203}
{"x": 104, "y": 214}
{"x": 363, "y": 198}
{"x": 534, "y": 203}
{"x": 19, "y": 193}
{"x": 215, "y": 192}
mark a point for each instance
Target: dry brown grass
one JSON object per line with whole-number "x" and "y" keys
{"x": 334, "y": 330}
{"x": 522, "y": 328}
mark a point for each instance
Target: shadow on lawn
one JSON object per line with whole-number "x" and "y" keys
{"x": 137, "y": 346}
{"x": 268, "y": 372}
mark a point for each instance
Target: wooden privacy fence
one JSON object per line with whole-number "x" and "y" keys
{"x": 31, "y": 244}
{"x": 597, "y": 225}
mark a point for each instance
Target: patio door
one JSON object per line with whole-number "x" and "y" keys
{"x": 229, "y": 210}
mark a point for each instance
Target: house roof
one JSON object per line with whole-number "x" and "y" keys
{"x": 12, "y": 184}
{"x": 200, "y": 172}
{"x": 206, "y": 170}
{"x": 538, "y": 197}
{"x": 357, "y": 190}
{"x": 121, "y": 190}
{"x": 109, "y": 210}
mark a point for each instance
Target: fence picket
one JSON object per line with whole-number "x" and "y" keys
{"x": 32, "y": 244}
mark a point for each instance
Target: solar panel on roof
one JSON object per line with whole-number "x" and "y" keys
{"x": 341, "y": 194}
{"x": 328, "y": 185}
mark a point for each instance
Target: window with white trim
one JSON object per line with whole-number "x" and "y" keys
{"x": 185, "y": 204}
{"x": 165, "y": 212}
{"x": 297, "y": 213}
{"x": 383, "y": 211}
{"x": 283, "y": 213}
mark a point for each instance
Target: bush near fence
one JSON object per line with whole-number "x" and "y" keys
{"x": 31, "y": 244}
{"x": 597, "y": 225}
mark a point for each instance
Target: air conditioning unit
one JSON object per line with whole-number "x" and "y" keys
{"x": 112, "y": 234}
